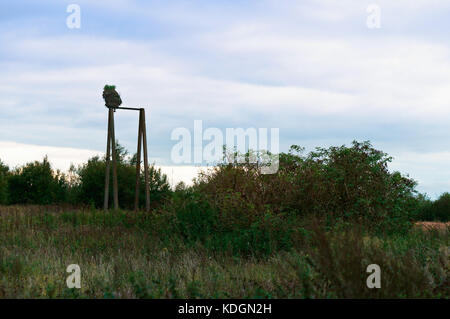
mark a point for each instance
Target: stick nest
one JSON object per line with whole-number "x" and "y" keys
{"x": 111, "y": 97}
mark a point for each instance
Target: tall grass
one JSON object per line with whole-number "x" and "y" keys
{"x": 136, "y": 255}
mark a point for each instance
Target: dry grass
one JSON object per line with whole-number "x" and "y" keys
{"x": 129, "y": 255}
{"x": 430, "y": 226}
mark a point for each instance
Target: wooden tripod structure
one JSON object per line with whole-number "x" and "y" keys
{"x": 111, "y": 146}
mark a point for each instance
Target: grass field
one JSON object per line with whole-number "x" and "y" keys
{"x": 136, "y": 255}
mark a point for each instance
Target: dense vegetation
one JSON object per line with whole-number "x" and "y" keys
{"x": 437, "y": 210}
{"x": 36, "y": 183}
{"x": 339, "y": 183}
{"x": 137, "y": 255}
{"x": 335, "y": 184}
{"x": 309, "y": 230}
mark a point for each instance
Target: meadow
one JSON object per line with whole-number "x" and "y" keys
{"x": 309, "y": 231}
{"x": 125, "y": 254}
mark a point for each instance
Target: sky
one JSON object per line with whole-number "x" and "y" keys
{"x": 313, "y": 69}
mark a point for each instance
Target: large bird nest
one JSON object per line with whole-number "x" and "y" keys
{"x": 111, "y": 97}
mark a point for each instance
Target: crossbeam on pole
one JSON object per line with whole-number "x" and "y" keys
{"x": 129, "y": 108}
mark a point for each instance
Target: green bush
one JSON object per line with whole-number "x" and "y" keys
{"x": 197, "y": 221}
{"x": 37, "y": 183}
{"x": 4, "y": 172}
{"x": 334, "y": 184}
{"x": 90, "y": 185}
{"x": 195, "y": 218}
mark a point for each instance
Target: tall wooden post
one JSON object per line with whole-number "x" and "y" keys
{"x": 108, "y": 155}
{"x": 144, "y": 140}
{"x": 111, "y": 144}
{"x": 114, "y": 162}
{"x": 138, "y": 163}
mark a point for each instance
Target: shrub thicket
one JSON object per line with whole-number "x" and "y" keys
{"x": 339, "y": 183}
{"x": 196, "y": 220}
{"x": 37, "y": 183}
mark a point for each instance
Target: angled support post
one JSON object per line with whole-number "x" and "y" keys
{"x": 138, "y": 164}
{"x": 142, "y": 143}
{"x": 146, "y": 172}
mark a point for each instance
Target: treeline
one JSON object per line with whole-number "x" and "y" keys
{"x": 438, "y": 210}
{"x": 339, "y": 183}
{"x": 37, "y": 183}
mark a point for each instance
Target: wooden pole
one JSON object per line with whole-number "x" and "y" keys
{"x": 144, "y": 140}
{"x": 108, "y": 155}
{"x": 114, "y": 162}
{"x": 138, "y": 163}
{"x": 111, "y": 146}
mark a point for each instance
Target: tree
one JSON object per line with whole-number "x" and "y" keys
{"x": 37, "y": 183}
{"x": 441, "y": 208}
{"x": 438, "y": 210}
{"x": 91, "y": 182}
{"x": 4, "y": 172}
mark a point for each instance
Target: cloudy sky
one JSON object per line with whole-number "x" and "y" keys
{"x": 313, "y": 69}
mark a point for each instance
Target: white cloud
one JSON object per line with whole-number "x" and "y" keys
{"x": 176, "y": 174}
{"x": 390, "y": 76}
{"x": 17, "y": 154}
{"x": 429, "y": 169}
{"x": 61, "y": 158}
{"x": 310, "y": 67}
{"x": 398, "y": 77}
